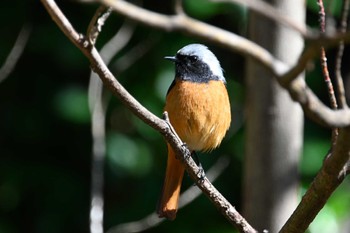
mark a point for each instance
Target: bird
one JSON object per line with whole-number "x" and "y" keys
{"x": 198, "y": 108}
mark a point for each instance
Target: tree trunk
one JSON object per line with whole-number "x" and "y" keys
{"x": 274, "y": 126}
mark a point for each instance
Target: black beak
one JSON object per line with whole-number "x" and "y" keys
{"x": 173, "y": 59}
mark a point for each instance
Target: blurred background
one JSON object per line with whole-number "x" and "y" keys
{"x": 45, "y": 124}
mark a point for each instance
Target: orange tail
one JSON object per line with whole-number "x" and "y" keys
{"x": 171, "y": 188}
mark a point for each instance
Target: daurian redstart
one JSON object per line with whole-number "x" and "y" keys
{"x": 199, "y": 110}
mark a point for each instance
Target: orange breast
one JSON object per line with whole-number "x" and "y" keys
{"x": 199, "y": 112}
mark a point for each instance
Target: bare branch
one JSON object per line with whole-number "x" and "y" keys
{"x": 324, "y": 65}
{"x": 99, "y": 151}
{"x": 327, "y": 180}
{"x": 97, "y": 22}
{"x": 15, "y": 52}
{"x": 197, "y": 28}
{"x": 338, "y": 62}
{"x": 178, "y": 7}
{"x": 118, "y": 41}
{"x": 135, "y": 53}
{"x": 324, "y": 184}
{"x": 186, "y": 197}
{"x": 323, "y": 59}
{"x": 97, "y": 106}
{"x": 334, "y": 167}
{"x": 160, "y": 125}
{"x": 272, "y": 13}
{"x": 313, "y": 107}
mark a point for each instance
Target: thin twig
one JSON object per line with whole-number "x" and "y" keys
{"x": 97, "y": 22}
{"x": 178, "y": 7}
{"x": 324, "y": 65}
{"x": 15, "y": 52}
{"x": 186, "y": 197}
{"x": 107, "y": 52}
{"x": 233, "y": 42}
{"x": 327, "y": 79}
{"x": 99, "y": 150}
{"x": 98, "y": 107}
{"x": 118, "y": 41}
{"x": 98, "y": 113}
{"x": 297, "y": 87}
{"x": 185, "y": 24}
{"x": 331, "y": 173}
{"x": 135, "y": 53}
{"x": 339, "y": 57}
{"x": 284, "y": 74}
{"x": 231, "y": 214}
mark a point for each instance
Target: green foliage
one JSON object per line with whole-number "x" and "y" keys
{"x": 202, "y": 9}
{"x": 71, "y": 104}
{"x": 315, "y": 148}
{"x": 128, "y": 157}
{"x": 334, "y": 7}
{"x": 335, "y": 212}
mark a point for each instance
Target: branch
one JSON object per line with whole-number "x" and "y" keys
{"x": 15, "y": 52}
{"x": 178, "y": 7}
{"x": 274, "y": 14}
{"x": 97, "y": 105}
{"x": 158, "y": 124}
{"x": 286, "y": 76}
{"x": 324, "y": 184}
{"x": 186, "y": 197}
{"x": 135, "y": 53}
{"x": 218, "y": 36}
{"x": 314, "y": 108}
{"x": 97, "y": 22}
{"x": 334, "y": 168}
{"x": 185, "y": 24}
{"x": 338, "y": 75}
{"x": 98, "y": 113}
{"x": 118, "y": 41}
{"x": 323, "y": 59}
{"x": 324, "y": 66}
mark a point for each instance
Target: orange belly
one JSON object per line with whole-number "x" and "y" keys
{"x": 199, "y": 112}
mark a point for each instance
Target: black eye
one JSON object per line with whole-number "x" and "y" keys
{"x": 193, "y": 59}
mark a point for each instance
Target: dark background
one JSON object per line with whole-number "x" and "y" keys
{"x": 45, "y": 136}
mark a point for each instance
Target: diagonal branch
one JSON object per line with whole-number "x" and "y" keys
{"x": 15, "y": 53}
{"x": 218, "y": 36}
{"x": 186, "y": 197}
{"x": 231, "y": 214}
{"x": 331, "y": 174}
{"x": 285, "y": 75}
{"x": 288, "y": 78}
{"x": 190, "y": 26}
{"x": 327, "y": 180}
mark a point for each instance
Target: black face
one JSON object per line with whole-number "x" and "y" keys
{"x": 191, "y": 68}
